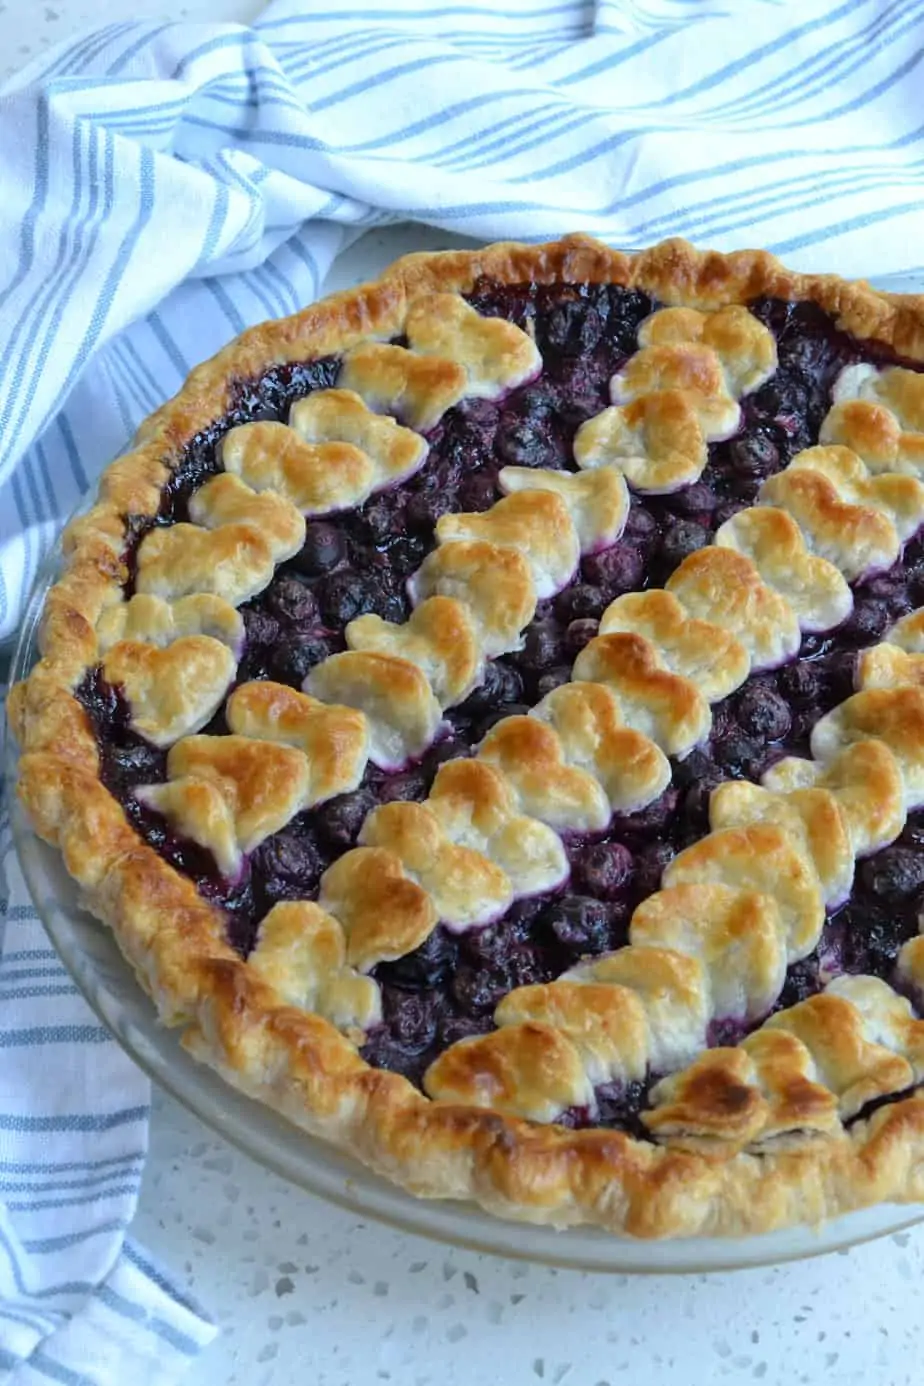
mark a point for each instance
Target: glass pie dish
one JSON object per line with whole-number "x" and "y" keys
{"x": 108, "y": 983}
{"x": 90, "y": 954}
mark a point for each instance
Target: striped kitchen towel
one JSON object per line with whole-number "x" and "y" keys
{"x": 165, "y": 185}
{"x": 79, "y": 1303}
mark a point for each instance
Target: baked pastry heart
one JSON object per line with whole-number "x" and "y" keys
{"x": 489, "y": 708}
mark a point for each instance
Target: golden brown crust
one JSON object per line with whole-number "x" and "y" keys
{"x": 534, "y": 523}
{"x": 440, "y": 637}
{"x": 710, "y": 657}
{"x": 665, "y": 706}
{"x": 297, "y": 1061}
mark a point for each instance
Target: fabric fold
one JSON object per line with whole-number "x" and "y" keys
{"x": 78, "y": 1302}
{"x": 160, "y": 174}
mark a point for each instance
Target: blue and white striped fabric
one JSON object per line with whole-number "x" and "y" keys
{"x": 182, "y": 180}
{"x": 79, "y": 1303}
{"x": 165, "y": 185}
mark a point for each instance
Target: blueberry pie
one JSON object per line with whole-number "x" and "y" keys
{"x": 488, "y": 708}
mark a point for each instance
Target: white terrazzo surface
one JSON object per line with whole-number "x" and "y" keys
{"x": 28, "y": 27}
{"x": 306, "y": 1293}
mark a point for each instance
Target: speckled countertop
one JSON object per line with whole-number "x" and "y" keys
{"x": 305, "y": 1292}
{"x": 28, "y": 27}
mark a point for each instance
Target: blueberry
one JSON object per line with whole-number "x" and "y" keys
{"x": 840, "y": 673}
{"x": 576, "y": 409}
{"x": 580, "y": 601}
{"x": 346, "y": 595}
{"x": 813, "y": 646}
{"x": 579, "y": 634}
{"x": 292, "y": 601}
{"x": 800, "y": 353}
{"x": 888, "y": 584}
{"x": 913, "y": 831}
{"x": 697, "y": 499}
{"x": 697, "y": 766}
{"x": 871, "y": 936}
{"x": 323, "y": 549}
{"x": 650, "y": 862}
{"x": 383, "y": 517}
{"x": 534, "y": 403}
{"x": 579, "y": 922}
{"x": 867, "y": 622}
{"x": 139, "y": 763}
{"x": 754, "y": 454}
{"x": 491, "y": 300}
{"x": 604, "y": 868}
{"x": 449, "y": 748}
{"x": 783, "y": 397}
{"x": 424, "y": 508}
{"x": 501, "y": 684}
{"x": 487, "y": 947}
{"x": 573, "y": 328}
{"x": 525, "y": 967}
{"x": 579, "y": 378}
{"x": 552, "y": 680}
{"x": 411, "y": 1019}
{"x": 380, "y": 1051}
{"x": 476, "y": 991}
{"x": 458, "y": 1027}
{"x": 801, "y": 681}
{"x": 681, "y": 539}
{"x": 520, "y": 919}
{"x": 543, "y": 646}
{"x": 292, "y": 858}
{"x": 618, "y": 1105}
{"x": 260, "y": 627}
{"x": 726, "y": 510}
{"x": 526, "y": 444}
{"x": 695, "y": 807}
{"x": 478, "y": 492}
{"x": 773, "y": 313}
{"x": 627, "y": 310}
{"x": 406, "y": 554}
{"x": 654, "y": 817}
{"x": 723, "y": 724}
{"x": 762, "y": 713}
{"x": 385, "y": 602}
{"x": 641, "y": 525}
{"x": 725, "y": 1033}
{"x": 739, "y": 754}
{"x": 479, "y": 416}
{"x": 447, "y": 471}
{"x": 894, "y": 873}
{"x": 340, "y": 820}
{"x": 915, "y": 579}
{"x": 425, "y": 966}
{"x": 803, "y": 724}
{"x": 745, "y": 488}
{"x": 616, "y": 570}
{"x": 292, "y": 663}
{"x": 411, "y": 785}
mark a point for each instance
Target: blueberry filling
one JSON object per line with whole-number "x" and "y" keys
{"x": 359, "y": 561}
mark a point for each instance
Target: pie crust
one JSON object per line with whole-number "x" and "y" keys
{"x": 789, "y": 1125}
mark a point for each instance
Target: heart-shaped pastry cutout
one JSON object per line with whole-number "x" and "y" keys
{"x": 174, "y": 691}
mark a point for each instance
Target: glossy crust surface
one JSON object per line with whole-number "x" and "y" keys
{"x": 236, "y": 1019}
